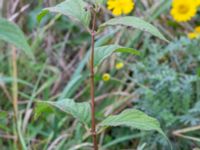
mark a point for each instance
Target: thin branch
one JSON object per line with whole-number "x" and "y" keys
{"x": 180, "y": 133}
{"x": 93, "y": 131}
{"x": 24, "y": 8}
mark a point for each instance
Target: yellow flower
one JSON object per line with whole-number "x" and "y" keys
{"x": 195, "y": 34}
{"x": 119, "y": 65}
{"x": 192, "y": 35}
{"x": 106, "y": 77}
{"x": 119, "y": 7}
{"x": 197, "y": 29}
{"x": 197, "y": 2}
{"x": 183, "y": 10}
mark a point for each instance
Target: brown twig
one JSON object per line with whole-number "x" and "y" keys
{"x": 57, "y": 141}
{"x": 24, "y": 8}
{"x": 7, "y": 136}
{"x": 93, "y": 130}
{"x": 180, "y": 133}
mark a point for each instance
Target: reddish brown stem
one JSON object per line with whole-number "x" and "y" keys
{"x": 92, "y": 90}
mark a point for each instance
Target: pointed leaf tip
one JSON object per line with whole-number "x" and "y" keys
{"x": 135, "y": 22}
{"x": 11, "y": 33}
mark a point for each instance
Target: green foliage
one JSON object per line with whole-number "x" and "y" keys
{"x": 134, "y": 22}
{"x": 192, "y": 117}
{"x": 163, "y": 82}
{"x": 80, "y": 111}
{"x": 42, "y": 14}
{"x": 167, "y": 86}
{"x": 133, "y": 118}
{"x": 11, "y": 33}
{"x": 103, "y": 52}
{"x": 76, "y": 10}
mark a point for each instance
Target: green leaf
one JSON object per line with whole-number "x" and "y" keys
{"x": 136, "y": 119}
{"x": 42, "y": 108}
{"x": 135, "y": 22}
{"x": 11, "y": 33}
{"x": 42, "y": 14}
{"x": 128, "y": 50}
{"x": 75, "y": 9}
{"x": 133, "y": 118}
{"x": 101, "y": 53}
{"x": 80, "y": 111}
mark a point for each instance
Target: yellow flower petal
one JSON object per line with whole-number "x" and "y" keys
{"x": 119, "y": 7}
{"x": 192, "y": 35}
{"x": 197, "y": 29}
{"x": 111, "y": 4}
{"x": 197, "y": 3}
{"x": 117, "y": 11}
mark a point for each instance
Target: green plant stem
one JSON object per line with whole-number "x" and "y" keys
{"x": 92, "y": 90}
{"x": 19, "y": 141}
{"x": 15, "y": 90}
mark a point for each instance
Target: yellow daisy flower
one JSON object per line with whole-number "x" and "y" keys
{"x": 106, "y": 77}
{"x": 119, "y": 65}
{"x": 119, "y": 7}
{"x": 183, "y": 10}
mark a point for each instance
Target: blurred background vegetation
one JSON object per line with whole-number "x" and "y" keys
{"x": 164, "y": 81}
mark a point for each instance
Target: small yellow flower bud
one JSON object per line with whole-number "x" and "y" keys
{"x": 119, "y": 65}
{"x": 106, "y": 77}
